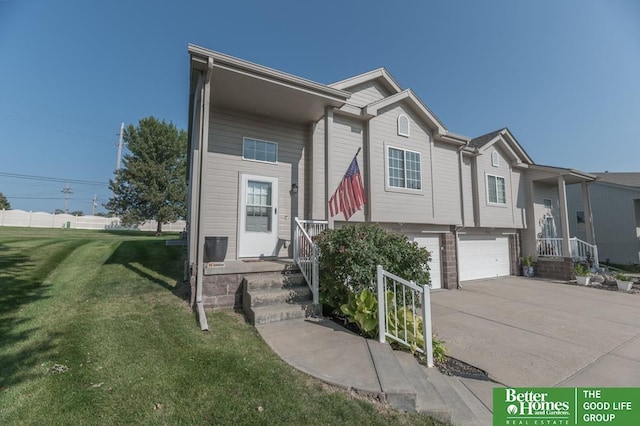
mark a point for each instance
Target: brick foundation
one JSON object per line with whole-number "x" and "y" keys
{"x": 555, "y": 268}
{"x": 449, "y": 266}
{"x": 222, "y": 291}
{"x": 514, "y": 255}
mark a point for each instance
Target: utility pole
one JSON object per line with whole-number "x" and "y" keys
{"x": 66, "y": 191}
{"x": 120, "y": 147}
{"x": 95, "y": 204}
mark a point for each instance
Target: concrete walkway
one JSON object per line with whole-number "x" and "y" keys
{"x": 336, "y": 356}
{"x": 533, "y": 332}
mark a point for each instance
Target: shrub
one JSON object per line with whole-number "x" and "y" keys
{"x": 621, "y": 277}
{"x": 349, "y": 256}
{"x": 581, "y": 270}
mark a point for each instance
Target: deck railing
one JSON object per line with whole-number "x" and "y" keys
{"x": 580, "y": 250}
{"x": 305, "y": 253}
{"x": 400, "y": 304}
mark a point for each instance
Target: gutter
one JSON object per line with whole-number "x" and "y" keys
{"x": 202, "y": 144}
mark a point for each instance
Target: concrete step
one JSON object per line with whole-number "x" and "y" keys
{"x": 428, "y": 400}
{"x": 466, "y": 408}
{"x": 278, "y": 296}
{"x": 281, "y": 312}
{"x": 394, "y": 383}
{"x": 272, "y": 280}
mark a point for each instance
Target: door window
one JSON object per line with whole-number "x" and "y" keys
{"x": 259, "y": 207}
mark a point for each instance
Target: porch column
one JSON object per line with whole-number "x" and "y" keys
{"x": 564, "y": 218}
{"x": 328, "y": 138}
{"x": 588, "y": 216}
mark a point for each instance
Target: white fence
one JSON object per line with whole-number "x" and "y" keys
{"x": 48, "y": 220}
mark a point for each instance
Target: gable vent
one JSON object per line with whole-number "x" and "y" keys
{"x": 495, "y": 159}
{"x": 403, "y": 125}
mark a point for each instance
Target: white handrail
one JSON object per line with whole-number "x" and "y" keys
{"x": 306, "y": 253}
{"x": 424, "y": 294}
{"x": 579, "y": 249}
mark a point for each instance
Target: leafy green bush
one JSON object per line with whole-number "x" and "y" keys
{"x": 581, "y": 270}
{"x": 362, "y": 310}
{"x": 348, "y": 259}
{"x": 621, "y": 277}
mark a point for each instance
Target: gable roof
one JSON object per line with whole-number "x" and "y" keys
{"x": 484, "y": 142}
{"x": 380, "y": 74}
{"x": 413, "y": 100}
{"x": 624, "y": 179}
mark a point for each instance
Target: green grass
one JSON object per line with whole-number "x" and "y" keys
{"x": 108, "y": 308}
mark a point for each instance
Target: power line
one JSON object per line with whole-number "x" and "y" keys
{"x": 52, "y": 179}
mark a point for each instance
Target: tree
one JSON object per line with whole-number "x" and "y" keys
{"x": 152, "y": 182}
{"x": 4, "y": 203}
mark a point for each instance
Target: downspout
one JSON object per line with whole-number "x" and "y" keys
{"x": 203, "y": 145}
{"x": 458, "y": 228}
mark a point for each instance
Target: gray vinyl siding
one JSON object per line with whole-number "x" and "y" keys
{"x": 446, "y": 184}
{"x": 348, "y": 136}
{"x": 366, "y": 93}
{"x": 509, "y": 215}
{"x": 224, "y": 164}
{"x": 615, "y": 222}
{"x": 467, "y": 191}
{"x": 400, "y": 205}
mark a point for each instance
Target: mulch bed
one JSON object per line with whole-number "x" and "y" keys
{"x": 450, "y": 366}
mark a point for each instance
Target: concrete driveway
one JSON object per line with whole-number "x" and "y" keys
{"x": 531, "y": 332}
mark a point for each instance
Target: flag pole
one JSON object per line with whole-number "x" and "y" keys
{"x": 358, "y": 152}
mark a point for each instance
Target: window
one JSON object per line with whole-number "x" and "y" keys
{"x": 404, "y": 169}
{"x": 496, "y": 190}
{"x": 547, "y": 204}
{"x": 580, "y": 217}
{"x": 495, "y": 159}
{"x": 403, "y": 125}
{"x": 256, "y": 150}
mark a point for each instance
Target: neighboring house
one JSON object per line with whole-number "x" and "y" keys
{"x": 267, "y": 147}
{"x": 615, "y": 202}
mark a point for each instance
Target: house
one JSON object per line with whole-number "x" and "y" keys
{"x": 615, "y": 202}
{"x": 268, "y": 147}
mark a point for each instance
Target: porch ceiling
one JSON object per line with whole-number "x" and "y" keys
{"x": 550, "y": 175}
{"x": 260, "y": 96}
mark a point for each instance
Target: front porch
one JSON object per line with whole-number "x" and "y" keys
{"x": 548, "y": 235}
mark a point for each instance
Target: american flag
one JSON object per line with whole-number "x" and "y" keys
{"x": 349, "y": 196}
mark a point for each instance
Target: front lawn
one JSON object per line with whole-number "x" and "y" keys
{"x": 94, "y": 329}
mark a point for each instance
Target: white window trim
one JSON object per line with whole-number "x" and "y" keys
{"x": 489, "y": 202}
{"x": 408, "y": 133}
{"x": 388, "y": 185}
{"x": 244, "y": 140}
{"x": 495, "y": 158}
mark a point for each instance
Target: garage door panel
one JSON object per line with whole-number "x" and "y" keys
{"x": 483, "y": 256}
{"x": 432, "y": 244}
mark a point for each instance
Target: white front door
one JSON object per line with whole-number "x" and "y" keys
{"x": 258, "y": 233}
{"x": 432, "y": 244}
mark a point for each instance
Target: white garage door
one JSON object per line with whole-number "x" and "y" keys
{"x": 483, "y": 256}
{"x": 432, "y": 243}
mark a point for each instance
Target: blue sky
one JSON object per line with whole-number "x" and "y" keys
{"x": 564, "y": 76}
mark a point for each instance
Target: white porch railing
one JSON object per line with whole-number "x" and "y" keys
{"x": 579, "y": 249}
{"x": 404, "y": 296}
{"x": 305, "y": 252}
